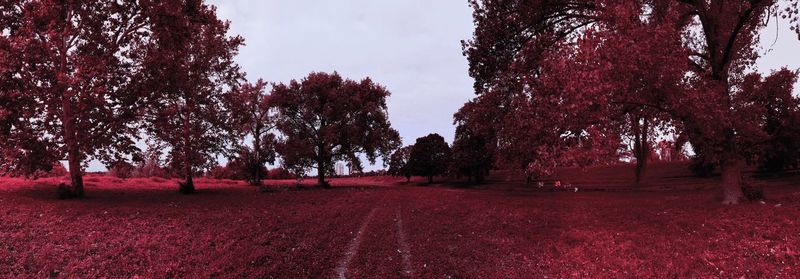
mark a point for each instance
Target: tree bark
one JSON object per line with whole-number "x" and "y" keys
{"x": 731, "y": 180}
{"x": 75, "y": 189}
{"x": 321, "y": 172}
{"x": 188, "y": 186}
{"x": 638, "y": 147}
{"x": 645, "y": 152}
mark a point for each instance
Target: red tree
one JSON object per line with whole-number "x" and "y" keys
{"x": 720, "y": 56}
{"x": 190, "y": 74}
{"x": 525, "y": 51}
{"x": 255, "y": 118}
{"x": 471, "y": 154}
{"x": 325, "y": 119}
{"x": 70, "y": 66}
{"x": 398, "y": 163}
{"x": 430, "y": 156}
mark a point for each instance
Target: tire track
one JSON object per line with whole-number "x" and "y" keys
{"x": 352, "y": 249}
{"x": 402, "y": 241}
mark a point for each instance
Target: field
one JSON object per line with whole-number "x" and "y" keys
{"x": 384, "y": 228}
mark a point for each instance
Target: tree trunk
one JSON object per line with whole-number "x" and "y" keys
{"x": 641, "y": 149}
{"x": 187, "y": 187}
{"x": 430, "y": 179}
{"x": 321, "y": 173}
{"x": 731, "y": 180}
{"x": 257, "y": 154}
{"x": 645, "y": 149}
{"x": 75, "y": 189}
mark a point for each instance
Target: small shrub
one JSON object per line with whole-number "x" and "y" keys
{"x": 122, "y": 170}
{"x": 223, "y": 172}
{"x": 280, "y": 174}
{"x": 57, "y": 170}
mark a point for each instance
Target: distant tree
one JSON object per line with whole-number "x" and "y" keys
{"x": 190, "y": 74}
{"x": 430, "y": 156}
{"x": 475, "y": 143}
{"x": 68, "y": 66}
{"x": 254, "y": 118}
{"x": 149, "y": 163}
{"x": 247, "y": 166}
{"x": 325, "y": 119}
{"x": 280, "y": 173}
{"x": 398, "y": 163}
{"x": 471, "y": 157}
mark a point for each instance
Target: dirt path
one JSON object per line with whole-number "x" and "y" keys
{"x": 380, "y": 248}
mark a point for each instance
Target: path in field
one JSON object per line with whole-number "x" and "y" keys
{"x": 380, "y": 249}
{"x": 353, "y": 247}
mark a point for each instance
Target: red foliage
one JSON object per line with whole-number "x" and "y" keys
{"x": 430, "y": 156}
{"x": 325, "y": 119}
{"x": 253, "y": 115}
{"x": 280, "y": 174}
{"x": 399, "y": 162}
{"x": 563, "y": 79}
{"x": 75, "y": 62}
{"x": 190, "y": 72}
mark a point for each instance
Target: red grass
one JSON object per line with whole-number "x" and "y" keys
{"x": 144, "y": 227}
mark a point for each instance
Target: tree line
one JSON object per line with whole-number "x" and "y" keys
{"x": 82, "y": 80}
{"x": 564, "y": 83}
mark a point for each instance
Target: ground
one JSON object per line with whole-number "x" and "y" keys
{"x": 383, "y": 228}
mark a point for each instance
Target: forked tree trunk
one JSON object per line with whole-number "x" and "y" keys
{"x": 731, "y": 180}
{"x": 75, "y": 189}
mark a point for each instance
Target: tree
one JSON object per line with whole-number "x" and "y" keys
{"x": 471, "y": 156}
{"x": 430, "y": 156}
{"x": 325, "y": 119}
{"x": 399, "y": 163}
{"x": 779, "y": 118}
{"x": 254, "y": 117}
{"x": 520, "y": 47}
{"x": 190, "y": 74}
{"x": 720, "y": 55}
{"x": 69, "y": 65}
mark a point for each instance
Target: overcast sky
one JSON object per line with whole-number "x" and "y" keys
{"x": 410, "y": 46}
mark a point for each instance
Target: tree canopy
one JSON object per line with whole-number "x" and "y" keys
{"x": 325, "y": 118}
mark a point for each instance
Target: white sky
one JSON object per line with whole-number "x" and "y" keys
{"x": 410, "y": 46}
